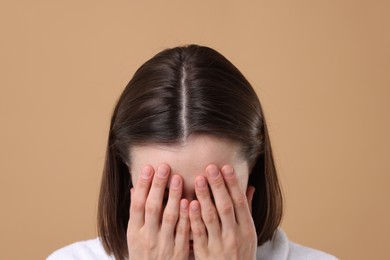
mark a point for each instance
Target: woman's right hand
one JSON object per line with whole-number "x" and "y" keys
{"x": 147, "y": 236}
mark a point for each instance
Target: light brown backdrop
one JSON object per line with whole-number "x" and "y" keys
{"x": 321, "y": 69}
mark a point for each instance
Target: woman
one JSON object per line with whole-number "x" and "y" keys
{"x": 189, "y": 171}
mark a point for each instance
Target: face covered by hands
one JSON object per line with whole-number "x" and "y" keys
{"x": 184, "y": 207}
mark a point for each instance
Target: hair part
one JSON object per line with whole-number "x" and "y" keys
{"x": 179, "y": 92}
{"x": 184, "y": 103}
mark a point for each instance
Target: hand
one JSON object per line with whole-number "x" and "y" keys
{"x": 147, "y": 236}
{"x": 227, "y": 231}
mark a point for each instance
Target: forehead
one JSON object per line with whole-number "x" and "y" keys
{"x": 190, "y": 158}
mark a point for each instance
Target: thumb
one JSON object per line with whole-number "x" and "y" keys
{"x": 250, "y": 191}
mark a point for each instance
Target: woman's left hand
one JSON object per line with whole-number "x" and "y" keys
{"x": 226, "y": 230}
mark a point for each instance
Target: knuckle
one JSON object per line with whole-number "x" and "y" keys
{"x": 233, "y": 245}
{"x": 182, "y": 229}
{"x": 250, "y": 233}
{"x": 144, "y": 184}
{"x": 232, "y": 181}
{"x": 241, "y": 201}
{"x": 137, "y": 206}
{"x": 170, "y": 218}
{"x": 227, "y": 209}
{"x": 150, "y": 244}
{"x": 210, "y": 216}
{"x": 152, "y": 209}
{"x": 219, "y": 184}
{"x": 175, "y": 195}
{"x": 232, "y": 242}
{"x": 197, "y": 232}
{"x": 202, "y": 195}
{"x": 158, "y": 184}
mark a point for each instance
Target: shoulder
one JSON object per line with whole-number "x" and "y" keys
{"x": 83, "y": 250}
{"x": 297, "y": 251}
{"x": 279, "y": 247}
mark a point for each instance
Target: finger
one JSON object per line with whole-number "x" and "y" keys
{"x": 222, "y": 198}
{"x": 138, "y": 197}
{"x": 153, "y": 206}
{"x": 171, "y": 211}
{"x": 182, "y": 235}
{"x": 198, "y": 229}
{"x": 239, "y": 198}
{"x": 250, "y": 191}
{"x": 208, "y": 212}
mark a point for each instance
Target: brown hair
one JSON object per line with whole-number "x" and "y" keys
{"x": 183, "y": 91}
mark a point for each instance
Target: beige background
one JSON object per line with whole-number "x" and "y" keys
{"x": 321, "y": 69}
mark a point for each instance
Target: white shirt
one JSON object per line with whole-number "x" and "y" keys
{"x": 278, "y": 248}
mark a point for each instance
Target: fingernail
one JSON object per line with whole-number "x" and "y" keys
{"x": 212, "y": 171}
{"x": 194, "y": 207}
{"x": 175, "y": 182}
{"x": 184, "y": 204}
{"x": 162, "y": 171}
{"x": 227, "y": 171}
{"x": 146, "y": 172}
{"x": 201, "y": 183}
